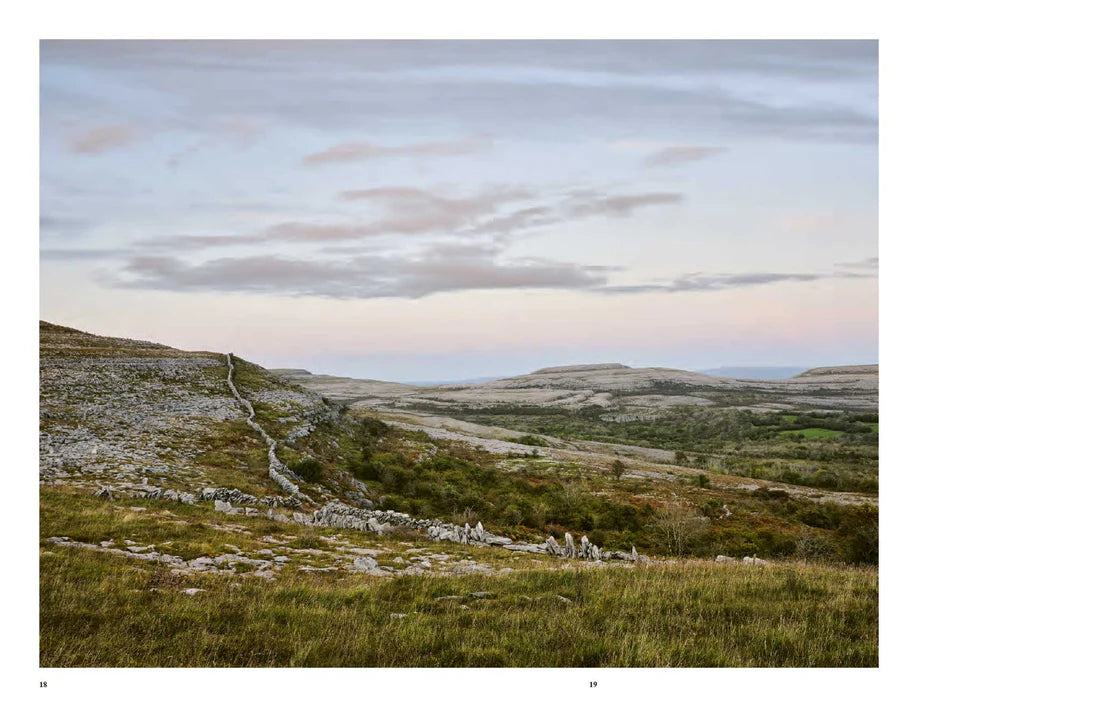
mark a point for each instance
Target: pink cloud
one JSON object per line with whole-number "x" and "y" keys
{"x": 102, "y": 139}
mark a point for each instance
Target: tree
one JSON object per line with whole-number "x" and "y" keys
{"x": 679, "y": 525}
{"x": 618, "y": 468}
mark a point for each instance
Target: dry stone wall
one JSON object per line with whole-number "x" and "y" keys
{"x": 276, "y": 470}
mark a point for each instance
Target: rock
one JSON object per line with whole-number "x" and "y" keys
{"x": 223, "y": 507}
{"x": 723, "y": 558}
{"x": 192, "y": 591}
{"x": 201, "y": 564}
{"x": 398, "y": 616}
{"x": 366, "y": 563}
{"x": 753, "y": 561}
{"x": 448, "y": 597}
{"x": 565, "y": 600}
{"x": 570, "y": 548}
{"x": 480, "y": 595}
{"x": 633, "y": 553}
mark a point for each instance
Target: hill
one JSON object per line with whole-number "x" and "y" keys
{"x": 614, "y": 387}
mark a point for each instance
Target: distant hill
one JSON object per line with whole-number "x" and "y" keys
{"x": 617, "y": 388}
{"x": 869, "y": 369}
{"x": 755, "y": 372}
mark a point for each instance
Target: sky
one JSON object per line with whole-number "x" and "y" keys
{"x": 440, "y": 210}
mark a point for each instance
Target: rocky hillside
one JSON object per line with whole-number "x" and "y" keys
{"x": 121, "y": 418}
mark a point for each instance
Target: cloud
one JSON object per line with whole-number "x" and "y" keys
{"x": 411, "y": 211}
{"x": 679, "y": 154}
{"x": 360, "y": 151}
{"x": 702, "y": 282}
{"x": 585, "y": 203}
{"x": 437, "y": 268}
{"x": 83, "y": 253}
{"x": 102, "y": 139}
{"x": 442, "y": 269}
{"x": 865, "y": 264}
{"x": 715, "y": 91}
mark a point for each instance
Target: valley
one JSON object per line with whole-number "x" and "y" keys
{"x": 176, "y": 486}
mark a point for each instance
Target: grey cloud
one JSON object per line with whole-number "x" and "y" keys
{"x": 591, "y": 204}
{"x": 519, "y": 220}
{"x": 83, "y": 253}
{"x": 799, "y": 58}
{"x": 443, "y": 270}
{"x": 102, "y": 139}
{"x": 448, "y": 267}
{"x": 359, "y": 151}
{"x": 416, "y": 212}
{"x": 818, "y": 122}
{"x": 678, "y": 154}
{"x": 508, "y": 89}
{"x": 701, "y": 282}
{"x": 61, "y": 225}
{"x": 865, "y": 264}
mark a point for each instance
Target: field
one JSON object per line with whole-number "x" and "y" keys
{"x": 107, "y": 612}
{"x": 816, "y": 433}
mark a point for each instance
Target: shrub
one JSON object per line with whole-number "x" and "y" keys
{"x": 309, "y": 469}
{"x": 530, "y": 440}
{"x": 679, "y": 526}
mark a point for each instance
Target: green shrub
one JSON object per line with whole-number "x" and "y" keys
{"x": 309, "y": 469}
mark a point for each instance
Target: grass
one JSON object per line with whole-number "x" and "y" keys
{"x": 813, "y": 433}
{"x": 106, "y": 611}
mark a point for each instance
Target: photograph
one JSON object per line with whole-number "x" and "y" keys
{"x": 459, "y": 353}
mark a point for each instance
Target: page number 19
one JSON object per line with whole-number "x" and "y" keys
{"x": 592, "y": 684}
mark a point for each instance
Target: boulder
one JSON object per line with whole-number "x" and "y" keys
{"x": 366, "y": 563}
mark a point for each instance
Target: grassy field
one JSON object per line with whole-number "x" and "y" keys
{"x": 815, "y": 433}
{"x": 105, "y": 611}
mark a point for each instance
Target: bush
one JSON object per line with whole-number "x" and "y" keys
{"x": 530, "y": 440}
{"x": 309, "y": 469}
{"x": 858, "y": 534}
